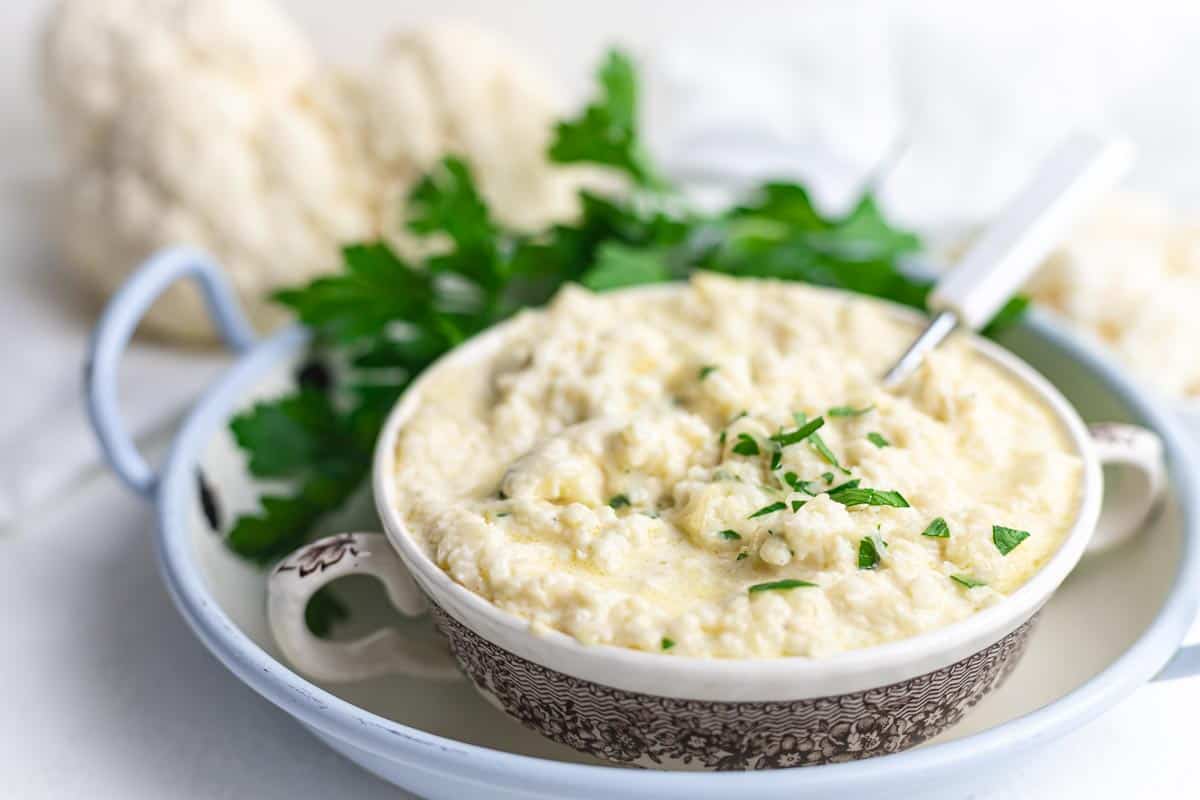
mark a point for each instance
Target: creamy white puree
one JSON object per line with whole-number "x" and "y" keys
{"x": 509, "y": 471}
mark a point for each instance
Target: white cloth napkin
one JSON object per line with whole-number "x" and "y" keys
{"x": 46, "y": 444}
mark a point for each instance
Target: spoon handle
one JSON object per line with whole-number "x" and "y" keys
{"x": 1008, "y": 252}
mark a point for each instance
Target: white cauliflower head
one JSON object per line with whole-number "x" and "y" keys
{"x": 208, "y": 123}
{"x": 214, "y": 123}
{"x": 449, "y": 88}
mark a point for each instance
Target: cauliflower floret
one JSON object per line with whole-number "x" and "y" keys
{"x": 205, "y": 123}
{"x": 214, "y": 123}
{"x": 451, "y": 88}
{"x": 1129, "y": 277}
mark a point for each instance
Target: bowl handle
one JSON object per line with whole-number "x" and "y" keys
{"x": 117, "y": 324}
{"x": 298, "y": 577}
{"x": 1128, "y": 502}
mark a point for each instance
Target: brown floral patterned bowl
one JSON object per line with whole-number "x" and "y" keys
{"x": 671, "y": 711}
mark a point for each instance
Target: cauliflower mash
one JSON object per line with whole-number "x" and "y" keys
{"x": 712, "y": 469}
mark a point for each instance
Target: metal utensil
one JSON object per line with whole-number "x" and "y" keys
{"x": 1003, "y": 258}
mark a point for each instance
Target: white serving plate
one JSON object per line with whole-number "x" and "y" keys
{"x": 1112, "y": 626}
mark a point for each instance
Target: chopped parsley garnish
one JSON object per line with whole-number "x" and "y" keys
{"x": 827, "y": 476}
{"x": 667, "y": 643}
{"x": 746, "y": 446}
{"x": 706, "y": 370}
{"x": 869, "y": 552}
{"x": 787, "y": 583}
{"x": 721, "y": 440}
{"x": 742, "y": 555}
{"x": 819, "y": 445}
{"x": 502, "y": 514}
{"x": 797, "y": 505}
{"x": 783, "y": 439}
{"x": 877, "y": 439}
{"x": 849, "y": 411}
{"x": 771, "y": 509}
{"x": 729, "y": 534}
{"x": 618, "y": 501}
{"x": 793, "y": 480}
{"x": 938, "y": 529}
{"x": 776, "y": 459}
{"x": 851, "y": 484}
{"x": 853, "y": 496}
{"x": 1007, "y": 539}
{"x": 967, "y": 581}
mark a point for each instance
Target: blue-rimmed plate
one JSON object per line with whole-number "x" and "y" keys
{"x": 1116, "y": 622}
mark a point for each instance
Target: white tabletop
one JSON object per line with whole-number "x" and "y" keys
{"x": 107, "y": 694}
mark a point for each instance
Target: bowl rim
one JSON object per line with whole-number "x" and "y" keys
{"x": 784, "y": 678}
{"x": 335, "y": 719}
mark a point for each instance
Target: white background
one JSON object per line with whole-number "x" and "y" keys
{"x": 106, "y": 694}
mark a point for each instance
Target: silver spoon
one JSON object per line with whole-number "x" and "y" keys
{"x": 1078, "y": 171}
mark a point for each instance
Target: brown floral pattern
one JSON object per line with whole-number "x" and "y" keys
{"x": 647, "y": 730}
{"x": 320, "y": 555}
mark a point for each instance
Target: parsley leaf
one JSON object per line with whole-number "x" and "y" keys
{"x": 1008, "y": 315}
{"x": 774, "y": 586}
{"x": 853, "y": 496}
{"x": 618, "y": 501}
{"x": 938, "y": 529}
{"x": 818, "y": 444}
{"x": 967, "y": 581}
{"x": 729, "y": 534}
{"x": 800, "y": 434}
{"x": 878, "y": 440}
{"x": 849, "y": 411}
{"x": 301, "y": 438}
{"x": 667, "y": 643}
{"x": 606, "y": 133}
{"x": 1007, "y": 539}
{"x": 619, "y": 265}
{"x": 793, "y": 480}
{"x": 746, "y": 445}
{"x": 374, "y": 288}
{"x": 868, "y": 553}
{"x": 823, "y": 449}
{"x": 771, "y": 509}
{"x": 446, "y": 202}
{"x": 706, "y": 370}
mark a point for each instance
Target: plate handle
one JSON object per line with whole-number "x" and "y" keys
{"x": 1184, "y": 664}
{"x": 384, "y": 652}
{"x": 116, "y": 326}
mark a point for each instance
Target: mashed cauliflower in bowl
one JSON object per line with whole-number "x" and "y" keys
{"x": 683, "y": 525}
{"x": 714, "y": 470}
